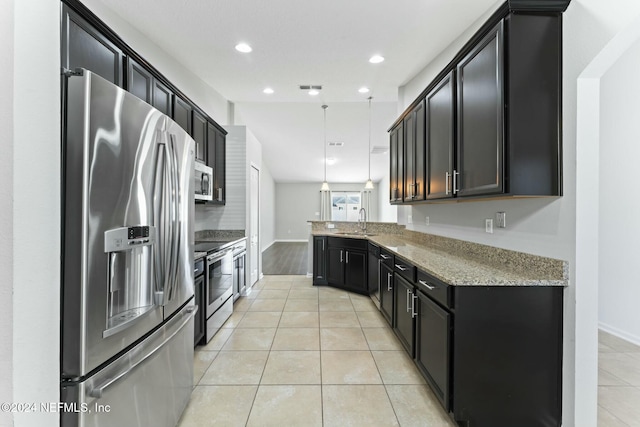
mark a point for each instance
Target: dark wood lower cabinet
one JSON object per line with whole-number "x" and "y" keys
{"x": 319, "y": 260}
{"x": 200, "y": 318}
{"x": 433, "y": 346}
{"x": 404, "y": 324}
{"x": 386, "y": 293}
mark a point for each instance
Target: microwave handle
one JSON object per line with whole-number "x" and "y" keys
{"x": 204, "y": 184}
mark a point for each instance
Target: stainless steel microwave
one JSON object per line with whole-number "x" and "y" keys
{"x": 203, "y": 182}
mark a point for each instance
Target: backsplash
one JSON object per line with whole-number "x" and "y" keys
{"x": 214, "y": 235}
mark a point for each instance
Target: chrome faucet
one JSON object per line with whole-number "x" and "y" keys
{"x": 362, "y": 220}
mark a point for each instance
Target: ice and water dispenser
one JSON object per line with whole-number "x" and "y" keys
{"x": 130, "y": 275}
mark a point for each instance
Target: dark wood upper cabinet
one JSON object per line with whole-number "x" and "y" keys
{"x": 83, "y": 46}
{"x": 139, "y": 81}
{"x": 216, "y": 158}
{"x": 414, "y": 149}
{"x": 199, "y": 134}
{"x": 396, "y": 193}
{"x": 162, "y": 98}
{"x": 493, "y": 114}
{"x": 182, "y": 113}
{"x": 480, "y": 165}
{"x": 440, "y": 112}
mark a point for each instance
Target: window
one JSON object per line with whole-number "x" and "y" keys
{"x": 345, "y": 205}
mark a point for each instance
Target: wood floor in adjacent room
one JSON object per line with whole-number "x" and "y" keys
{"x": 286, "y": 258}
{"x": 297, "y": 355}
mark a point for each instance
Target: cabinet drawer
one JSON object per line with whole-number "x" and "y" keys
{"x": 342, "y": 242}
{"x": 387, "y": 258}
{"x": 405, "y": 269}
{"x": 434, "y": 288}
{"x": 199, "y": 267}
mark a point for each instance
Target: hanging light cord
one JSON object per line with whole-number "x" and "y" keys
{"x": 369, "y": 153}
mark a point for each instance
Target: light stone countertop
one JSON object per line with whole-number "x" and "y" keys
{"x": 457, "y": 262}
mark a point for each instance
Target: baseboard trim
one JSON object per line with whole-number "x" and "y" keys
{"x": 309, "y": 275}
{"x": 268, "y": 246}
{"x": 619, "y": 333}
{"x": 291, "y": 240}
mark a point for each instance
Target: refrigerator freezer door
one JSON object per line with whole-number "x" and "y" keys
{"x": 113, "y": 152}
{"x": 148, "y": 386}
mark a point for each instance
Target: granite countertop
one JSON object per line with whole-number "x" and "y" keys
{"x": 460, "y": 263}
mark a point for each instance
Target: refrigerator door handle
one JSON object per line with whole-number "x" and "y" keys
{"x": 165, "y": 256}
{"x": 99, "y": 390}
{"x": 175, "y": 235}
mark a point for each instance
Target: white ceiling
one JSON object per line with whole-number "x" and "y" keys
{"x": 298, "y": 42}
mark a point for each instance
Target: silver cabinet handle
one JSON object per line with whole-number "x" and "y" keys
{"x": 414, "y": 313}
{"x": 347, "y": 257}
{"x": 446, "y": 183}
{"x": 389, "y": 282}
{"x": 195, "y": 270}
{"x": 455, "y": 182}
{"x": 401, "y": 268}
{"x": 220, "y": 194}
{"x": 408, "y": 298}
{"x": 384, "y": 256}
{"x": 341, "y": 259}
{"x": 427, "y": 285}
{"x": 323, "y": 244}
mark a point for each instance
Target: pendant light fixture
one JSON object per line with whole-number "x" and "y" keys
{"x": 369, "y": 184}
{"x": 325, "y": 184}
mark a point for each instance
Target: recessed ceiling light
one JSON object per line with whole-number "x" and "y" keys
{"x": 268, "y": 91}
{"x": 313, "y": 92}
{"x": 243, "y": 47}
{"x": 363, "y": 90}
{"x": 376, "y": 59}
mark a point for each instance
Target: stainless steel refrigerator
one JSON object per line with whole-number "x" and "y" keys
{"x": 127, "y": 285}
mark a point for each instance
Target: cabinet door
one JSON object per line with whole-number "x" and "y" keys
{"x": 419, "y": 164}
{"x": 219, "y": 168}
{"x": 83, "y": 46}
{"x": 481, "y": 118}
{"x": 162, "y": 98}
{"x": 373, "y": 273}
{"x": 408, "y": 161}
{"x": 440, "y": 110}
{"x": 199, "y": 320}
{"x": 182, "y": 113}
{"x": 403, "y": 312}
{"x": 433, "y": 336}
{"x": 139, "y": 81}
{"x": 393, "y": 162}
{"x": 355, "y": 269}
{"x": 400, "y": 168}
{"x": 320, "y": 260}
{"x": 199, "y": 134}
{"x": 335, "y": 271}
{"x": 386, "y": 293}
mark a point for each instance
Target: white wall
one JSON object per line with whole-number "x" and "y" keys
{"x": 542, "y": 226}
{"x": 33, "y": 213}
{"x": 297, "y": 203}
{"x": 386, "y": 211}
{"x": 205, "y": 97}
{"x": 619, "y": 204}
{"x": 6, "y": 210}
{"x": 267, "y": 208}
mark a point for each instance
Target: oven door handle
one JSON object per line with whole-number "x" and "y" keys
{"x": 217, "y": 256}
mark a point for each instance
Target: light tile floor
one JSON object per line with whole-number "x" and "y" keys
{"x": 618, "y": 382}
{"x": 297, "y": 355}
